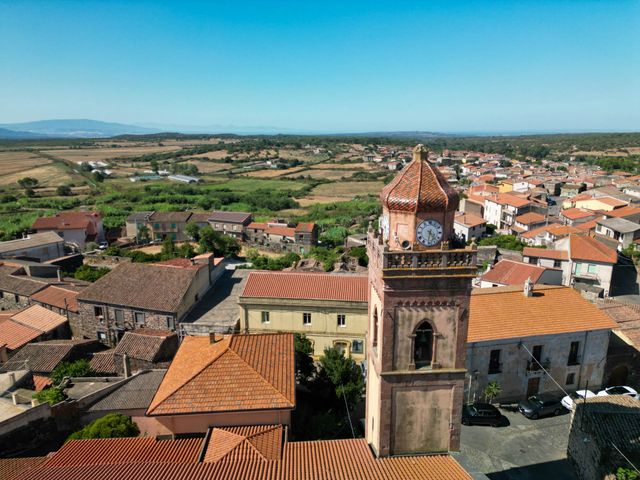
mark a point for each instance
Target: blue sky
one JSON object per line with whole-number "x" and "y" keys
{"x": 325, "y": 66}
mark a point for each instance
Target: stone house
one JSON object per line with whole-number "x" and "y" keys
{"x": 281, "y": 237}
{"x": 601, "y": 428}
{"x": 138, "y": 295}
{"x": 38, "y": 247}
{"x": 516, "y": 333}
{"x": 61, "y": 300}
{"x": 230, "y": 223}
{"x": 76, "y": 228}
{"x": 330, "y": 309}
{"x": 170, "y": 225}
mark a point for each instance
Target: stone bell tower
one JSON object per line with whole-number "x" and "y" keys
{"x": 418, "y": 315}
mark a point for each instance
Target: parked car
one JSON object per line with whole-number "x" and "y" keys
{"x": 569, "y": 402}
{"x": 481, "y": 414}
{"x": 628, "y": 391}
{"x": 103, "y": 245}
{"x": 539, "y": 406}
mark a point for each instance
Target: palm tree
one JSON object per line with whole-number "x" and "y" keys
{"x": 491, "y": 391}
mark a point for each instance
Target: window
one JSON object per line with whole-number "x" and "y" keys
{"x": 423, "y": 345}
{"x": 342, "y": 347}
{"x": 171, "y": 325}
{"x": 342, "y": 320}
{"x": 97, "y": 311}
{"x": 235, "y": 227}
{"x": 571, "y": 379}
{"x": 592, "y": 268}
{"x": 265, "y": 317}
{"x": 537, "y": 353}
{"x": 306, "y": 319}
{"x": 16, "y": 297}
{"x": 119, "y": 316}
{"x": 139, "y": 318}
{"x": 156, "y": 226}
{"x": 573, "y": 353}
{"x": 557, "y": 264}
{"x": 494, "y": 362}
{"x": 102, "y": 336}
{"x": 173, "y": 226}
{"x": 375, "y": 327}
{"x": 218, "y": 226}
{"x": 357, "y": 346}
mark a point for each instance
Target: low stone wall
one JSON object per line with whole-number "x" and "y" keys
{"x": 108, "y": 261}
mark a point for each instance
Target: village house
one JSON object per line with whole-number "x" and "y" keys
{"x": 76, "y": 228}
{"x": 575, "y": 216}
{"x": 515, "y": 332}
{"x": 141, "y": 349}
{"x": 38, "y": 247}
{"x": 230, "y": 223}
{"x": 139, "y": 295}
{"x": 547, "y": 234}
{"x": 600, "y": 203}
{"x": 469, "y": 226}
{"x": 171, "y": 225}
{"x": 330, "y": 309}
{"x": 281, "y": 237}
{"x": 60, "y": 299}
{"x": 604, "y": 436}
{"x": 623, "y": 231}
{"x": 234, "y": 380}
{"x": 508, "y": 272}
{"x": 583, "y": 261}
{"x": 501, "y": 210}
{"x": 527, "y": 222}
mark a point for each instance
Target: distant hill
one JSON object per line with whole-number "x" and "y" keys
{"x": 73, "y": 128}
{"x": 6, "y": 134}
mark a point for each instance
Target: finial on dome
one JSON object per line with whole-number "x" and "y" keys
{"x": 420, "y": 152}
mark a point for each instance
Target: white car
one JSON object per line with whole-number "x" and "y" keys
{"x": 628, "y": 391}
{"x": 568, "y": 402}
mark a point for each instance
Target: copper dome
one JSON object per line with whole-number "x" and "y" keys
{"x": 419, "y": 187}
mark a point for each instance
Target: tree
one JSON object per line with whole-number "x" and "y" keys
{"x": 143, "y": 233}
{"x": 304, "y": 363}
{"x": 186, "y": 250}
{"x": 344, "y": 375}
{"x": 113, "y": 425}
{"x": 154, "y": 166}
{"x": 98, "y": 176}
{"x": 623, "y": 473}
{"x": 192, "y": 229}
{"x": 491, "y": 391}
{"x": 28, "y": 183}
{"x": 79, "y": 368}
{"x": 52, "y": 395}
{"x": 64, "y": 190}
{"x": 168, "y": 250}
{"x": 334, "y": 236}
{"x": 90, "y": 274}
{"x": 218, "y": 244}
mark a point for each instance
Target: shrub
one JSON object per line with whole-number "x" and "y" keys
{"x": 113, "y": 425}
{"x": 79, "y": 368}
{"x": 90, "y": 274}
{"x": 51, "y": 395}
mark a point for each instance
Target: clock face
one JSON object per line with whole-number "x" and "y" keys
{"x": 429, "y": 233}
{"x": 384, "y": 225}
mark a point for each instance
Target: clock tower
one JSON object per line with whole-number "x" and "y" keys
{"x": 418, "y": 315}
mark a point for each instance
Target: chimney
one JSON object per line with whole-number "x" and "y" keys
{"x": 214, "y": 337}
{"x": 59, "y": 273}
{"x": 126, "y": 364}
{"x": 12, "y": 379}
{"x": 34, "y": 402}
{"x": 528, "y": 288}
{"x": 14, "y": 398}
{"x": 421, "y": 153}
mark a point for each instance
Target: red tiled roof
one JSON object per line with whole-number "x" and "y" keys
{"x": 283, "y": 231}
{"x": 66, "y": 221}
{"x": 41, "y": 382}
{"x": 257, "y": 225}
{"x": 12, "y": 467}
{"x": 308, "y": 286}
{"x": 305, "y": 227}
{"x": 556, "y": 229}
{"x": 469, "y": 219}
{"x": 508, "y": 272}
{"x": 505, "y": 312}
{"x": 256, "y": 442}
{"x": 529, "y": 218}
{"x": 56, "y": 296}
{"x": 419, "y": 187}
{"x": 613, "y": 202}
{"x": 14, "y": 335}
{"x": 545, "y": 253}
{"x": 39, "y": 318}
{"x": 590, "y": 249}
{"x": 624, "y": 212}
{"x": 576, "y": 213}
{"x": 181, "y": 263}
{"x": 240, "y": 372}
{"x": 509, "y": 199}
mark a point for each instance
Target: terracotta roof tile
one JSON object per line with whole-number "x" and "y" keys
{"x": 505, "y": 312}
{"x": 305, "y": 227}
{"x": 509, "y": 199}
{"x": 14, "y": 335}
{"x": 231, "y": 217}
{"x": 545, "y": 253}
{"x": 42, "y": 357}
{"x": 576, "y": 213}
{"x": 11, "y": 467}
{"x": 469, "y": 220}
{"x": 151, "y": 346}
{"x": 508, "y": 272}
{"x": 66, "y": 221}
{"x": 258, "y": 442}
{"x": 39, "y": 318}
{"x": 56, "y": 296}
{"x": 419, "y": 187}
{"x": 103, "y": 362}
{"x": 283, "y": 231}
{"x": 240, "y": 372}
{"x": 590, "y": 249}
{"x": 529, "y": 218}
{"x": 624, "y": 212}
{"x": 316, "y": 286}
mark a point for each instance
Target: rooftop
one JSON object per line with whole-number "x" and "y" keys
{"x": 545, "y": 253}
{"x": 231, "y": 217}
{"x": 508, "y": 272}
{"x": 238, "y": 372}
{"x": 59, "y": 297}
{"x": 34, "y": 240}
{"x": 306, "y": 286}
{"x": 576, "y": 213}
{"x": 43, "y": 357}
{"x": 469, "y": 220}
{"x": 66, "y": 221}
{"x": 505, "y": 312}
{"x": 590, "y": 249}
{"x": 530, "y": 217}
{"x": 149, "y": 345}
{"x": 136, "y": 394}
{"x": 39, "y": 318}
{"x": 509, "y": 199}
{"x": 139, "y": 285}
{"x": 621, "y": 225}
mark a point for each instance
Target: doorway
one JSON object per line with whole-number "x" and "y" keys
{"x": 532, "y": 386}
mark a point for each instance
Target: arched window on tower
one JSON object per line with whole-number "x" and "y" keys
{"x": 375, "y": 326}
{"x": 423, "y": 345}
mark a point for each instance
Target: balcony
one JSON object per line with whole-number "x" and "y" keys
{"x": 537, "y": 366}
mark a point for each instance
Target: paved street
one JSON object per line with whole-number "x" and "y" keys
{"x": 523, "y": 450}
